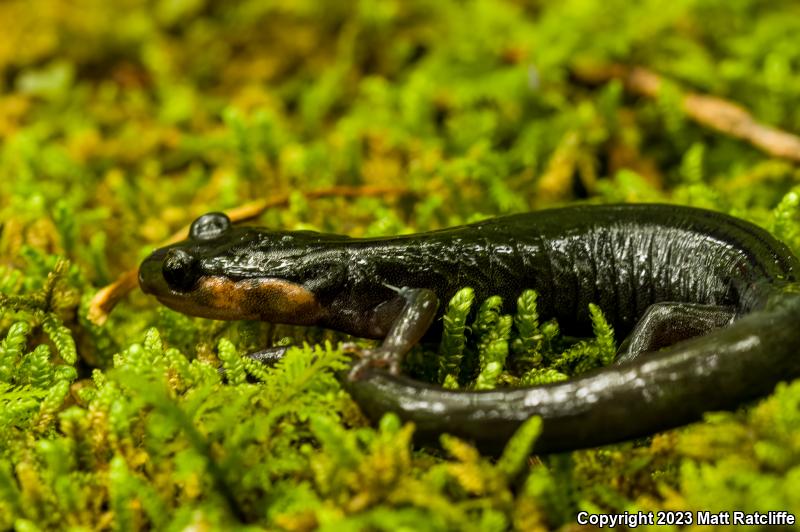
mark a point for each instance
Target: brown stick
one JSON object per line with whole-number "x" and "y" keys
{"x": 107, "y": 297}
{"x": 711, "y": 111}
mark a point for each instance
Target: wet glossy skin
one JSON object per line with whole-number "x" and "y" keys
{"x": 662, "y": 274}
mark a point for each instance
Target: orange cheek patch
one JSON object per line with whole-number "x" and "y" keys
{"x": 257, "y": 299}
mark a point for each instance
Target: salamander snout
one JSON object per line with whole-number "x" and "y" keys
{"x": 151, "y": 280}
{"x": 167, "y": 270}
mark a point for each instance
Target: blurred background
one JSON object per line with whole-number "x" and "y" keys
{"x": 129, "y": 118}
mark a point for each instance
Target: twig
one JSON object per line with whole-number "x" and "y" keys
{"x": 711, "y": 111}
{"x": 107, "y": 297}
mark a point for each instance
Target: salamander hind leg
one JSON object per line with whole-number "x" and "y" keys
{"x": 666, "y": 323}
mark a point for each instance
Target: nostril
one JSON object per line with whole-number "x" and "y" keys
{"x": 177, "y": 258}
{"x": 178, "y": 269}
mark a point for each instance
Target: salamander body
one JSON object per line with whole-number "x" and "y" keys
{"x": 705, "y": 300}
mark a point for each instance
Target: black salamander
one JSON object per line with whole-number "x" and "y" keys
{"x": 710, "y": 293}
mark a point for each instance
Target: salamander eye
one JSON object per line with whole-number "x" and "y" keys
{"x": 178, "y": 270}
{"x": 209, "y": 226}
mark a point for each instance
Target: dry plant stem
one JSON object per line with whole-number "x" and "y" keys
{"x": 716, "y": 113}
{"x": 107, "y": 297}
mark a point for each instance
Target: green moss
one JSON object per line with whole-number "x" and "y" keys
{"x": 122, "y": 121}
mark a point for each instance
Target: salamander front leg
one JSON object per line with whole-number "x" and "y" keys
{"x": 269, "y": 357}
{"x": 666, "y": 323}
{"x": 408, "y": 328}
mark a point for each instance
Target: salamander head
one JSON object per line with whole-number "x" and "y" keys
{"x": 230, "y": 273}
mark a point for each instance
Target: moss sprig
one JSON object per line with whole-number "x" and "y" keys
{"x": 451, "y": 348}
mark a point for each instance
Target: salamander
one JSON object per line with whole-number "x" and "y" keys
{"x": 706, "y": 301}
